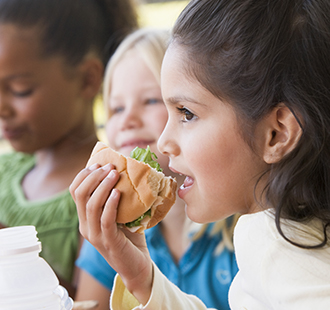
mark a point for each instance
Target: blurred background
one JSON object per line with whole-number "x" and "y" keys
{"x": 151, "y": 13}
{"x": 159, "y": 13}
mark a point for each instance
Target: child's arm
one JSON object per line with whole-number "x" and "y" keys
{"x": 90, "y": 289}
{"x": 164, "y": 296}
{"x": 126, "y": 252}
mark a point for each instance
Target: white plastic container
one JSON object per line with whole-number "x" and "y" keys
{"x": 26, "y": 280}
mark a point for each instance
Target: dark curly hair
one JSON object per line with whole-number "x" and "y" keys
{"x": 73, "y": 28}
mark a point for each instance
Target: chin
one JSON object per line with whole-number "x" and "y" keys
{"x": 195, "y": 217}
{"x": 22, "y": 149}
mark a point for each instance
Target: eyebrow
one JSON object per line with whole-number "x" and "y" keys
{"x": 177, "y": 99}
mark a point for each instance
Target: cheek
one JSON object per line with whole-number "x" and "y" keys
{"x": 45, "y": 117}
{"x": 212, "y": 163}
{"x": 33, "y": 107}
{"x": 156, "y": 119}
{"x": 55, "y": 110}
{"x": 111, "y": 132}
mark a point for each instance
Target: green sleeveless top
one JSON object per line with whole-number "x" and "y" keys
{"x": 55, "y": 219}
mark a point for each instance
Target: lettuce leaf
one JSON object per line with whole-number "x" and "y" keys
{"x": 146, "y": 156}
{"x": 137, "y": 222}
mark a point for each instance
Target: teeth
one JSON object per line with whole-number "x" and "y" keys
{"x": 182, "y": 186}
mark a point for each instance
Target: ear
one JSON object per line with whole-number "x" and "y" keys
{"x": 92, "y": 76}
{"x": 282, "y": 133}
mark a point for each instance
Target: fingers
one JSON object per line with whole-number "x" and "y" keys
{"x": 109, "y": 214}
{"x": 79, "y": 178}
{"x": 104, "y": 194}
{"x": 84, "y": 185}
{"x": 90, "y": 190}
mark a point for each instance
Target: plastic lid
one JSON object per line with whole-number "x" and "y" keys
{"x": 33, "y": 248}
{"x": 18, "y": 240}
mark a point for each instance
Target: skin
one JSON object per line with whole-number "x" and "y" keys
{"x": 208, "y": 128}
{"x": 138, "y": 117}
{"x": 204, "y": 142}
{"x": 46, "y": 109}
{"x": 28, "y": 82}
{"x": 138, "y": 113}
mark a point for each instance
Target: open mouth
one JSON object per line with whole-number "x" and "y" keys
{"x": 187, "y": 183}
{"x": 185, "y": 187}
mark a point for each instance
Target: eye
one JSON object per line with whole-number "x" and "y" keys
{"x": 186, "y": 114}
{"x": 116, "y": 110}
{"x": 25, "y": 93}
{"x": 154, "y": 101}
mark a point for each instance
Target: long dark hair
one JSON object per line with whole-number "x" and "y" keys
{"x": 255, "y": 54}
{"x": 73, "y": 28}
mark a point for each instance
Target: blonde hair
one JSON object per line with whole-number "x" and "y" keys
{"x": 225, "y": 227}
{"x": 151, "y": 45}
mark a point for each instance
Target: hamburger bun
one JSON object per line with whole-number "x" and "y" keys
{"x": 142, "y": 188}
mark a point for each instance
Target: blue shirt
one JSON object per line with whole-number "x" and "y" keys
{"x": 199, "y": 272}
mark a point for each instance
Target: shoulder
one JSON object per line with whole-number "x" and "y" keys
{"x": 11, "y": 163}
{"x": 263, "y": 254}
{"x": 254, "y": 230}
{"x": 274, "y": 266}
{"x": 15, "y": 158}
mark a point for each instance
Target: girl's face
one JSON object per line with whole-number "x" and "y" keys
{"x": 138, "y": 114}
{"x": 203, "y": 142}
{"x": 39, "y": 102}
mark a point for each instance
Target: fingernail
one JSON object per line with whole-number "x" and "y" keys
{"x": 111, "y": 174}
{"x": 106, "y": 167}
{"x": 93, "y": 167}
{"x": 113, "y": 194}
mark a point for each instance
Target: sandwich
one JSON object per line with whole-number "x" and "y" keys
{"x": 146, "y": 193}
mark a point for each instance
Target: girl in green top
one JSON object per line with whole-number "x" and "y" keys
{"x": 52, "y": 57}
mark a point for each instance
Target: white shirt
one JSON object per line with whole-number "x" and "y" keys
{"x": 273, "y": 274}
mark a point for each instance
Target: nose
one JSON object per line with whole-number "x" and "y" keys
{"x": 167, "y": 143}
{"x": 132, "y": 118}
